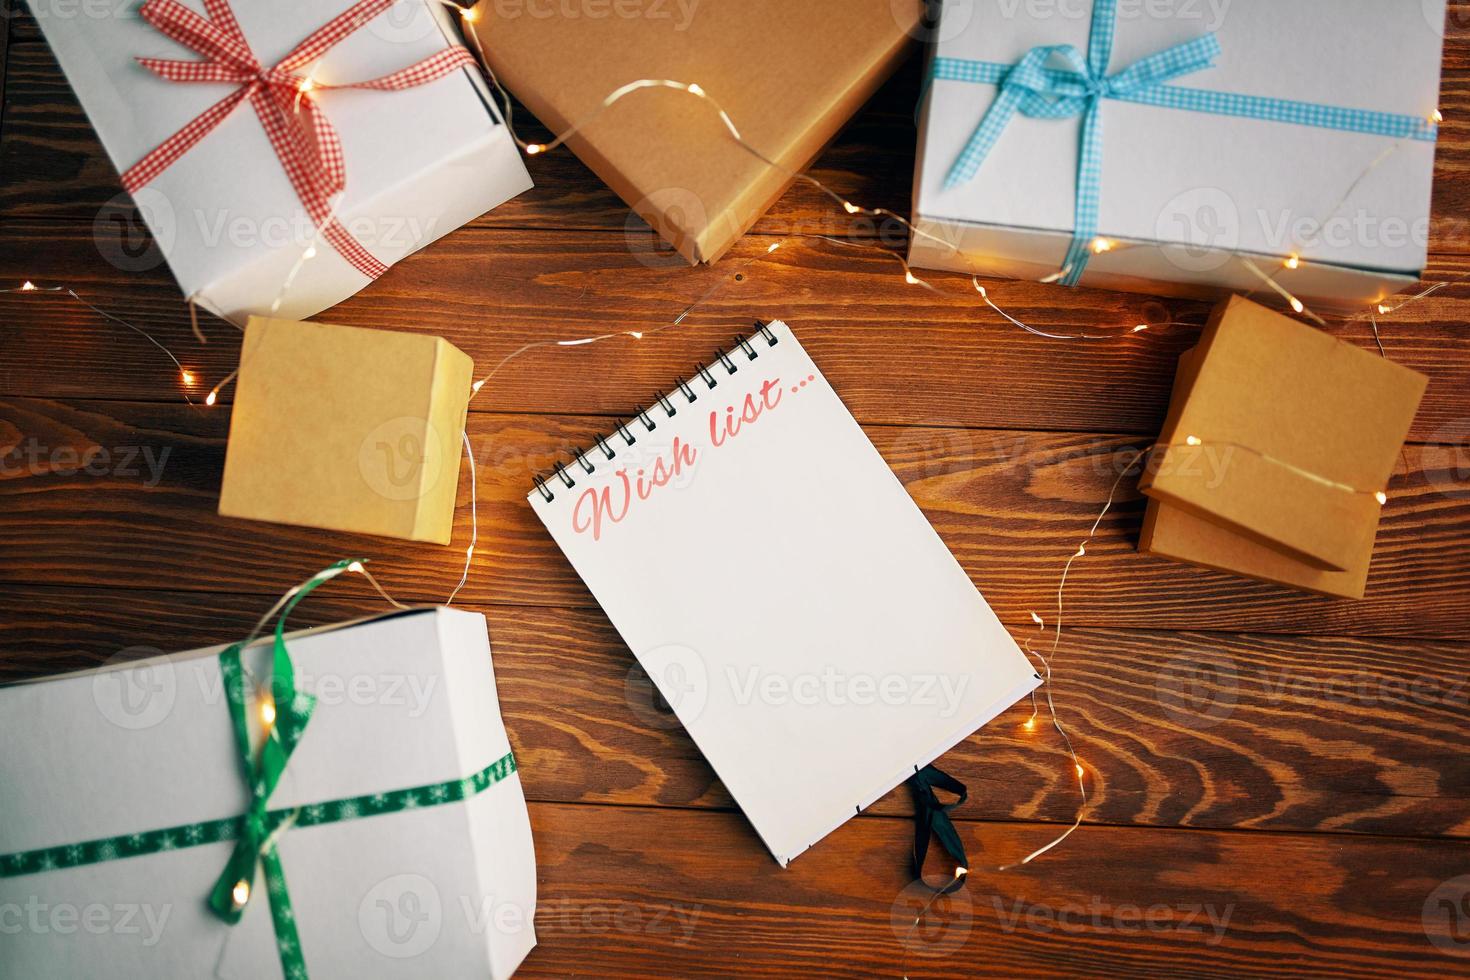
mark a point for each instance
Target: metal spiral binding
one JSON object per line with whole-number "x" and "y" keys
{"x": 579, "y": 457}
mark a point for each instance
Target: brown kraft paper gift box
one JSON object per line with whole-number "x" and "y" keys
{"x": 789, "y": 73}
{"x": 347, "y": 429}
{"x": 1286, "y": 418}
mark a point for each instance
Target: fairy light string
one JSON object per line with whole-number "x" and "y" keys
{"x": 1099, "y": 246}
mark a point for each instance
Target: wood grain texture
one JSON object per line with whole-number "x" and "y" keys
{"x": 1293, "y": 766}
{"x": 1289, "y": 905}
{"x": 1205, "y": 730}
{"x": 1010, "y": 505}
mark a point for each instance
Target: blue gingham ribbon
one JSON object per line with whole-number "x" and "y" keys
{"x": 1035, "y": 88}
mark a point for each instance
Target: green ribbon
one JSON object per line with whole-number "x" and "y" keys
{"x": 256, "y": 831}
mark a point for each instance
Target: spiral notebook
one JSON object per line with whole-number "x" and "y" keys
{"x": 774, "y": 579}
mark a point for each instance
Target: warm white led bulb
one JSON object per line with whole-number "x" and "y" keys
{"x": 240, "y": 894}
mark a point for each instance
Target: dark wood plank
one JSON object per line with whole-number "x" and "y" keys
{"x": 7, "y": 16}
{"x": 897, "y": 354}
{"x": 1011, "y": 506}
{"x": 1205, "y": 730}
{"x": 635, "y": 892}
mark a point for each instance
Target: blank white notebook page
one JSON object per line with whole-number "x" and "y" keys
{"x": 773, "y": 577}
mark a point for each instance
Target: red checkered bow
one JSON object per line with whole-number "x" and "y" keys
{"x": 299, "y": 130}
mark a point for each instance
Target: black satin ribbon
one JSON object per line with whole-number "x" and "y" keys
{"x": 931, "y": 820}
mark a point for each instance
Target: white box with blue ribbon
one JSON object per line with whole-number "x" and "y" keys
{"x": 353, "y": 810}
{"x": 1182, "y": 147}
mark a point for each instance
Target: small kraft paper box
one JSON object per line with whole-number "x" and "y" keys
{"x": 1161, "y": 147}
{"x": 788, "y": 74}
{"x": 401, "y": 841}
{"x": 284, "y": 153}
{"x": 347, "y": 429}
{"x": 1278, "y": 442}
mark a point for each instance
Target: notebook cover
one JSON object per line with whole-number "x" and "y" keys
{"x": 792, "y": 604}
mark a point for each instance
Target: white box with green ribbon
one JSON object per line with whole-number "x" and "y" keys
{"x": 211, "y": 814}
{"x": 1182, "y": 147}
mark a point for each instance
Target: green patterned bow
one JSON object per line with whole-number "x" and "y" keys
{"x": 284, "y": 714}
{"x": 256, "y": 831}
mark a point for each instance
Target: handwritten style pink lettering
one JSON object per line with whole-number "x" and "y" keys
{"x": 612, "y": 501}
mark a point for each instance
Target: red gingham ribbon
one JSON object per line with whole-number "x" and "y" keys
{"x": 299, "y": 130}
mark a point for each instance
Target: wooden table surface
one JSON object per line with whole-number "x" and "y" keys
{"x": 1280, "y": 783}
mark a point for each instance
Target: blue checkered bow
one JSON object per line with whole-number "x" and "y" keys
{"x": 1036, "y": 87}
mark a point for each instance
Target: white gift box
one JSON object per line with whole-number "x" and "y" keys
{"x": 418, "y": 162}
{"x": 1187, "y": 196}
{"x": 406, "y": 700}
